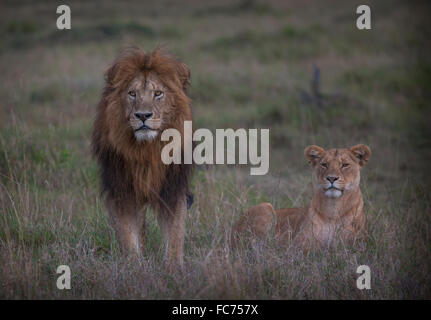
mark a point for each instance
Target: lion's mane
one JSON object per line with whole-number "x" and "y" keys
{"x": 132, "y": 172}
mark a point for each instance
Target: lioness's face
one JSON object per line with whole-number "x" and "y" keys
{"x": 146, "y": 98}
{"x": 337, "y": 170}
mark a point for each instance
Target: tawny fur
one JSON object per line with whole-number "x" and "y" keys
{"x": 327, "y": 218}
{"x": 133, "y": 175}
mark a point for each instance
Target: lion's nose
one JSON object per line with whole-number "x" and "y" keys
{"x": 331, "y": 179}
{"x": 143, "y": 115}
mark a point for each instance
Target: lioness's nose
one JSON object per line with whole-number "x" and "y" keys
{"x": 143, "y": 115}
{"x": 331, "y": 179}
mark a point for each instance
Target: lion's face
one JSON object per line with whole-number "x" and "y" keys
{"x": 145, "y": 93}
{"x": 337, "y": 170}
{"x": 146, "y": 100}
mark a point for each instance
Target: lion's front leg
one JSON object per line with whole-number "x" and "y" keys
{"x": 172, "y": 224}
{"x": 129, "y": 225}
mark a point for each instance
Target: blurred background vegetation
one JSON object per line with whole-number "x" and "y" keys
{"x": 300, "y": 68}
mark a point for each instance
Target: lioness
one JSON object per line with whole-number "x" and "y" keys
{"x": 336, "y": 208}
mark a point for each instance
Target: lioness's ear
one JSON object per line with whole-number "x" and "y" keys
{"x": 313, "y": 154}
{"x": 184, "y": 75}
{"x": 362, "y": 152}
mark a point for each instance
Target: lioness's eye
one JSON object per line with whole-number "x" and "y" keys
{"x": 158, "y": 93}
{"x": 324, "y": 165}
{"x": 344, "y": 165}
{"x": 132, "y": 93}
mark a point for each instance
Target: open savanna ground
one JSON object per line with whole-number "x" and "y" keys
{"x": 300, "y": 68}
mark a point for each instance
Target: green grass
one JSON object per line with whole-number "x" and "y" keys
{"x": 252, "y": 67}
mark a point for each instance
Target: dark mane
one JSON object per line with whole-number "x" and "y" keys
{"x": 133, "y": 172}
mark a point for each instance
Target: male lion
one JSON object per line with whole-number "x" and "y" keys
{"x": 144, "y": 94}
{"x": 337, "y": 207}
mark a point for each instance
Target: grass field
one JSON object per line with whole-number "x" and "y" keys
{"x": 252, "y": 65}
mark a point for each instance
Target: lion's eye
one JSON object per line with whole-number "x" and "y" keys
{"x": 132, "y": 93}
{"x": 324, "y": 165}
{"x": 345, "y": 165}
{"x": 158, "y": 93}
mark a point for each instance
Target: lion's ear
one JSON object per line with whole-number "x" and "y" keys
{"x": 362, "y": 153}
{"x": 184, "y": 75}
{"x": 110, "y": 73}
{"x": 313, "y": 154}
